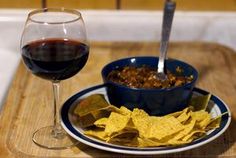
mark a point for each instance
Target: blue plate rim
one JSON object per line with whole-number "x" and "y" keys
{"x": 68, "y": 127}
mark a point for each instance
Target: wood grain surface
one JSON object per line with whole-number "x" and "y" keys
{"x": 29, "y": 102}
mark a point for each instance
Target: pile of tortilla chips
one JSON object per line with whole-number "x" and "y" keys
{"x": 137, "y": 129}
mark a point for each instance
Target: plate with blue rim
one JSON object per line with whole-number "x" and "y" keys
{"x": 216, "y": 107}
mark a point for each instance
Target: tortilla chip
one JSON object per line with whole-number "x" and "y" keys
{"x": 145, "y": 142}
{"x": 175, "y": 114}
{"x": 86, "y": 121}
{"x": 91, "y": 109}
{"x": 164, "y": 127}
{"x": 116, "y": 123}
{"x": 178, "y": 142}
{"x": 184, "y": 116}
{"x": 91, "y": 103}
{"x": 125, "y": 137}
{"x": 101, "y": 122}
{"x": 140, "y": 121}
{"x": 202, "y": 118}
{"x": 187, "y": 129}
{"x": 193, "y": 135}
{"x": 89, "y": 119}
{"x": 200, "y": 102}
{"x": 124, "y": 111}
{"x": 97, "y": 133}
{"x": 214, "y": 123}
{"x": 136, "y": 128}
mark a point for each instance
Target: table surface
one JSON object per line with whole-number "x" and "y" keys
{"x": 29, "y": 102}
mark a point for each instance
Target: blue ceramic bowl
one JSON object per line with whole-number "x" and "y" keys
{"x": 153, "y": 101}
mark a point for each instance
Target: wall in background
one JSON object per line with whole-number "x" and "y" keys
{"x": 198, "y": 5}
{"x": 20, "y": 3}
{"x": 83, "y": 4}
{"x": 202, "y": 5}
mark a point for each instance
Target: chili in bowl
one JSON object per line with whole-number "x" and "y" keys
{"x": 132, "y": 82}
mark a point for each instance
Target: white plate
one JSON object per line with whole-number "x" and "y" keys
{"x": 216, "y": 108}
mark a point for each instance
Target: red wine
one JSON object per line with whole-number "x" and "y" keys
{"x": 55, "y": 59}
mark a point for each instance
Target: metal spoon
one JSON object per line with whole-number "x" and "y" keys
{"x": 169, "y": 10}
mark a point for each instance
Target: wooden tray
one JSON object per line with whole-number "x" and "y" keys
{"x": 29, "y": 102}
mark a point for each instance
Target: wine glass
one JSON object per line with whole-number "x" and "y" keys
{"x": 54, "y": 47}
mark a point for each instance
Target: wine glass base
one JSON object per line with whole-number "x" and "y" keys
{"x": 46, "y": 137}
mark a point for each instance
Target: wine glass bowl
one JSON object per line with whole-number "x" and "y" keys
{"x": 54, "y": 47}
{"x": 55, "y": 59}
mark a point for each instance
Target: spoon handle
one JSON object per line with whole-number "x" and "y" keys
{"x": 169, "y": 10}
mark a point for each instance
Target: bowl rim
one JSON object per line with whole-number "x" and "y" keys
{"x": 151, "y": 89}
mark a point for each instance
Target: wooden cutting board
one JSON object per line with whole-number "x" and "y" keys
{"x": 29, "y": 102}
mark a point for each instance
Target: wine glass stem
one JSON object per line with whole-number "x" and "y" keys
{"x": 57, "y": 130}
